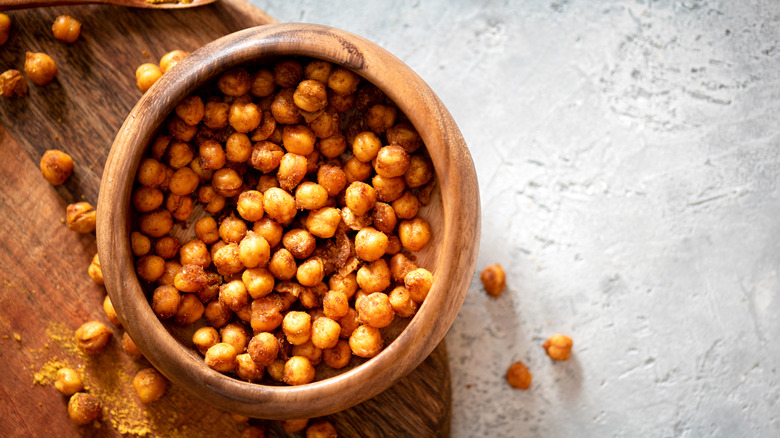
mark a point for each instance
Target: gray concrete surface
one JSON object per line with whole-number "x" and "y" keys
{"x": 627, "y": 153}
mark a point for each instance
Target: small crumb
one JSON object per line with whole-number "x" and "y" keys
{"x": 17, "y": 337}
{"x": 56, "y": 137}
{"x": 468, "y": 386}
{"x": 62, "y": 219}
{"x": 145, "y": 54}
{"x": 6, "y": 337}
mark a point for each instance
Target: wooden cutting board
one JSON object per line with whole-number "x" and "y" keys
{"x": 45, "y": 292}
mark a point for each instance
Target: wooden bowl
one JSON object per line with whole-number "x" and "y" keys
{"x": 453, "y": 213}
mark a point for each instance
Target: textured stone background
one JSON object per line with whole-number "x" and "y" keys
{"x": 628, "y": 160}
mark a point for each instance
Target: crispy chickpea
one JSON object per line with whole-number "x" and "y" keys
{"x": 374, "y": 276}
{"x": 259, "y": 282}
{"x": 366, "y": 341}
{"x": 292, "y": 170}
{"x": 346, "y": 283}
{"x": 266, "y": 156}
{"x": 167, "y": 247}
{"x": 370, "y": 244}
{"x": 318, "y": 70}
{"x": 250, "y": 371}
{"x": 139, "y": 244}
{"x": 110, "y": 312}
{"x": 349, "y": 323}
{"x": 283, "y": 108}
{"x": 388, "y": 189}
{"x": 191, "y": 110}
{"x": 298, "y": 139}
{"x": 333, "y": 146}
{"x": 263, "y": 348}
{"x": 68, "y": 382}
{"x": 414, "y": 234}
{"x": 299, "y": 242}
{"x": 360, "y": 197}
{"x": 215, "y": 115}
{"x": 393, "y": 244}
{"x": 343, "y": 81}
{"x": 380, "y": 118}
{"x": 337, "y": 356}
{"x": 195, "y": 252}
{"x": 238, "y": 148}
{"x": 180, "y": 130}
{"x": 56, "y": 166}
{"x": 236, "y": 335}
{"x": 558, "y": 347}
{"x": 335, "y": 304}
{"x": 81, "y": 217}
{"x": 5, "y": 28}
{"x": 518, "y": 376}
{"x": 402, "y": 302}
{"x": 276, "y": 370}
{"x": 211, "y": 155}
{"x": 221, "y": 357}
{"x": 420, "y": 171}
{"x": 359, "y": 296}
{"x": 151, "y": 173}
{"x": 332, "y": 179}
{"x": 94, "y": 270}
{"x": 166, "y": 301}
{"x": 232, "y": 229}
{"x": 298, "y": 370}
{"x": 384, "y": 218}
{"x": 493, "y": 280}
{"x": 234, "y": 295}
{"x": 217, "y": 314}
{"x": 365, "y": 146}
{"x": 146, "y": 199}
{"x": 311, "y": 95}
{"x": 170, "y": 270}
{"x": 146, "y": 75}
{"x": 250, "y": 205}
{"x": 310, "y": 196}
{"x": 340, "y": 102}
{"x": 84, "y": 408}
{"x": 326, "y": 124}
{"x": 267, "y": 128}
{"x": 235, "y": 82}
{"x": 210, "y": 290}
{"x": 206, "y": 230}
{"x": 160, "y": 146}
{"x": 279, "y": 205}
{"x": 190, "y": 278}
{"x": 325, "y": 332}
{"x": 270, "y": 230}
{"x": 253, "y": 250}
{"x": 128, "y": 345}
{"x": 205, "y": 338}
{"x": 356, "y": 170}
{"x": 287, "y": 73}
{"x": 297, "y": 327}
{"x": 407, "y": 206}
{"x": 321, "y": 429}
{"x": 266, "y": 315}
{"x": 156, "y": 223}
{"x": 251, "y": 431}
{"x": 12, "y": 83}
{"x": 150, "y": 267}
{"x": 324, "y": 222}
{"x": 213, "y": 203}
{"x": 311, "y": 272}
{"x": 92, "y": 337}
{"x": 180, "y": 206}
{"x": 149, "y": 384}
{"x": 391, "y": 161}
{"x": 262, "y": 83}
{"x": 418, "y": 282}
{"x": 190, "y": 310}
{"x": 244, "y": 117}
{"x": 184, "y": 181}
{"x": 40, "y": 68}
{"x": 172, "y": 58}
{"x": 227, "y": 182}
{"x": 297, "y": 425}
{"x": 354, "y": 221}
{"x": 375, "y": 310}
{"x": 309, "y": 351}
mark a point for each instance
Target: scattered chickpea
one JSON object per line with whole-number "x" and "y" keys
{"x": 321, "y": 429}
{"x": 108, "y": 308}
{"x": 94, "y": 271}
{"x": 493, "y": 280}
{"x": 56, "y": 166}
{"x": 149, "y": 384}
{"x": 84, "y": 408}
{"x": 81, "y": 217}
{"x": 12, "y": 83}
{"x": 40, "y": 68}
{"x": 68, "y": 382}
{"x": 130, "y": 348}
{"x": 297, "y": 425}
{"x": 146, "y": 75}
{"x": 558, "y": 347}
{"x": 66, "y": 29}
{"x": 518, "y": 376}
{"x": 5, "y": 28}
{"x": 92, "y": 337}
{"x": 172, "y": 58}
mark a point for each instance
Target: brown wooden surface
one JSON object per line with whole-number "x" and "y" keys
{"x": 45, "y": 292}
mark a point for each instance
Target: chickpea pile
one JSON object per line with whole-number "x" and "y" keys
{"x": 311, "y": 181}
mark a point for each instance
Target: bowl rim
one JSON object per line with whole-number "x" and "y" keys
{"x": 454, "y": 266}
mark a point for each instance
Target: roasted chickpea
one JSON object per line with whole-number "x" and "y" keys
{"x": 190, "y": 278}
{"x": 235, "y": 82}
{"x": 518, "y": 376}
{"x": 558, "y": 347}
{"x": 221, "y": 357}
{"x": 402, "y": 302}
{"x": 332, "y": 146}
{"x": 206, "y": 230}
{"x": 5, "y": 28}
{"x": 128, "y": 345}
{"x": 262, "y": 83}
{"x": 267, "y": 128}
{"x": 393, "y": 244}
{"x": 407, "y": 206}
{"x": 12, "y": 83}
{"x": 344, "y": 283}
{"x": 205, "y": 338}
{"x": 191, "y": 110}
{"x": 68, "y": 382}
{"x": 311, "y": 272}
{"x": 167, "y": 247}
{"x": 349, "y": 323}
{"x": 375, "y": 310}
{"x": 250, "y": 205}
{"x": 388, "y": 189}
{"x": 366, "y": 341}
{"x": 252, "y": 431}
{"x": 172, "y": 58}
{"x": 92, "y": 337}
{"x": 276, "y": 370}
{"x": 380, "y": 118}
{"x": 84, "y": 408}
{"x": 279, "y": 205}
{"x": 340, "y": 102}
{"x": 384, "y": 218}
{"x": 335, "y": 304}
{"x": 215, "y": 115}
{"x": 297, "y": 327}
{"x": 94, "y": 270}
{"x": 238, "y": 148}
{"x": 297, "y": 425}
{"x": 310, "y": 196}
{"x": 493, "y": 280}
{"x": 287, "y": 73}
{"x": 160, "y": 146}
{"x": 146, "y": 199}
{"x": 146, "y": 75}
{"x": 283, "y": 108}
{"x": 166, "y": 301}
{"x": 259, "y": 282}
{"x": 418, "y": 282}
{"x": 298, "y": 370}
{"x": 318, "y": 70}
{"x": 195, "y": 252}
{"x": 326, "y": 124}
{"x": 236, "y": 335}
{"x": 332, "y": 179}
{"x": 190, "y": 310}
{"x": 325, "y": 332}
{"x": 292, "y": 170}
{"x": 227, "y": 182}
{"x": 365, "y": 146}
{"x": 180, "y": 130}
{"x": 321, "y": 429}
{"x": 299, "y": 242}
{"x": 266, "y": 156}
{"x": 139, "y": 244}
{"x": 56, "y": 166}
{"x": 324, "y": 222}
{"x": 311, "y": 95}
{"x": 374, "y": 276}
{"x": 266, "y": 315}
{"x": 253, "y": 250}
{"x": 360, "y": 197}
{"x": 309, "y": 351}
{"x": 213, "y": 203}
{"x": 354, "y": 221}
{"x": 184, "y": 181}
{"x": 263, "y": 348}
{"x": 217, "y": 314}
{"x": 151, "y": 173}
{"x": 420, "y": 171}
{"x": 244, "y": 117}
{"x": 170, "y": 270}
{"x": 356, "y": 170}
{"x": 150, "y": 267}
{"x": 66, "y": 29}
{"x": 343, "y": 81}
{"x": 414, "y": 234}
{"x": 404, "y": 135}
{"x": 250, "y": 371}
{"x": 149, "y": 384}
{"x": 81, "y": 217}
{"x": 211, "y": 155}
{"x": 232, "y": 229}
{"x": 370, "y": 244}
{"x": 392, "y": 161}
{"x": 298, "y": 139}
{"x": 110, "y": 312}
{"x": 270, "y": 230}
{"x": 40, "y": 68}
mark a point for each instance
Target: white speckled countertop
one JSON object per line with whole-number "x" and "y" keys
{"x": 628, "y": 154}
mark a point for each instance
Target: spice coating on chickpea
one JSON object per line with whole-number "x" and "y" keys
{"x": 221, "y": 357}
{"x": 149, "y": 384}
{"x": 12, "y": 84}
{"x": 68, "y": 382}
{"x": 66, "y": 29}
{"x": 84, "y": 408}
{"x": 81, "y": 217}
{"x": 172, "y": 58}
{"x": 40, "y": 68}
{"x": 558, "y": 347}
{"x": 414, "y": 234}
{"x": 235, "y": 82}
{"x": 92, "y": 337}
{"x": 190, "y": 310}
{"x": 518, "y": 376}
{"x": 298, "y": 370}
{"x": 418, "y": 282}
{"x": 146, "y": 75}
{"x": 493, "y": 280}
{"x": 56, "y": 166}
{"x": 366, "y": 341}
{"x": 166, "y": 301}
